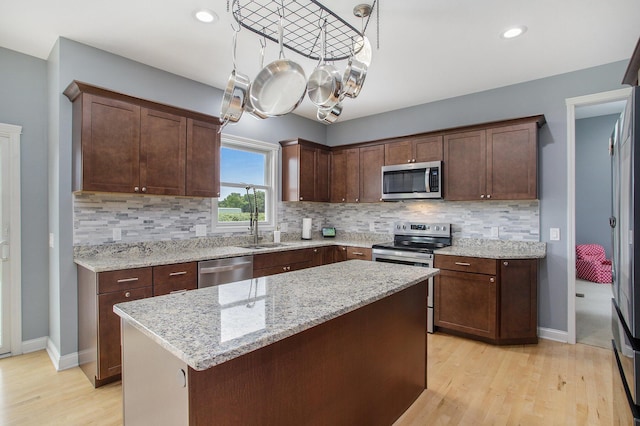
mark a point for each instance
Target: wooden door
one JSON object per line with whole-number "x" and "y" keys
{"x": 338, "y": 181}
{"x": 109, "y": 363}
{"x": 203, "y": 159}
{"x": 519, "y": 301}
{"x": 398, "y": 152}
{"x": 323, "y": 170}
{"x": 352, "y": 174}
{"x": 465, "y": 166}
{"x": 428, "y": 148}
{"x": 110, "y": 145}
{"x": 163, "y": 147}
{"x": 307, "y": 182}
{"x": 371, "y": 162}
{"x": 512, "y": 162}
{"x": 466, "y": 303}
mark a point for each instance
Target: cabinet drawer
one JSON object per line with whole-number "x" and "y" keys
{"x": 267, "y": 260}
{"x": 280, "y": 269}
{"x": 358, "y": 253}
{"x": 125, "y": 279}
{"x": 466, "y": 264}
{"x": 168, "y": 278}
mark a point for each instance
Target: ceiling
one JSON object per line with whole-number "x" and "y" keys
{"x": 429, "y": 50}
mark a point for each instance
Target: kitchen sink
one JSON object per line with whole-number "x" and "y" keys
{"x": 263, "y": 246}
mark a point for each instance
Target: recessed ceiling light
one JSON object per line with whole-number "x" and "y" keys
{"x": 514, "y": 31}
{"x": 205, "y": 15}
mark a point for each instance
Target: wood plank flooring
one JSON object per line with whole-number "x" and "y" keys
{"x": 470, "y": 383}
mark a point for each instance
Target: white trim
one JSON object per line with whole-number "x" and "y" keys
{"x": 61, "y": 363}
{"x": 272, "y": 150}
{"x": 12, "y": 132}
{"x": 552, "y": 334}
{"x": 572, "y": 103}
{"x": 34, "y": 345}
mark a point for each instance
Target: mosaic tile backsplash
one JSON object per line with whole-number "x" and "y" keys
{"x": 157, "y": 218}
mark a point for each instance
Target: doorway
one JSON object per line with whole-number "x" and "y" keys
{"x": 599, "y": 104}
{"x": 10, "y": 241}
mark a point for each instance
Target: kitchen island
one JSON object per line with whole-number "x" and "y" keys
{"x": 337, "y": 344}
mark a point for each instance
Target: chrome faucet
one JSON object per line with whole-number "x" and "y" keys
{"x": 253, "y": 214}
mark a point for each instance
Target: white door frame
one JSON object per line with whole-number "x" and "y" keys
{"x": 572, "y": 103}
{"x": 12, "y": 133}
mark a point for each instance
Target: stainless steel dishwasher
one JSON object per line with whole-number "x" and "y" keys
{"x": 222, "y": 271}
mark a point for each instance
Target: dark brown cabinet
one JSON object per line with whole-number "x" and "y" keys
{"x": 126, "y": 144}
{"x": 487, "y": 299}
{"x": 174, "y": 278}
{"x": 305, "y": 171}
{"x": 413, "y": 150}
{"x": 98, "y": 326}
{"x": 344, "y": 253}
{"x": 285, "y": 261}
{"x": 345, "y": 176}
{"x": 481, "y": 164}
{"x": 371, "y": 162}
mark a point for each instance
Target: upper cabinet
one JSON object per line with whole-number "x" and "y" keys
{"x": 129, "y": 145}
{"x": 413, "y": 150}
{"x": 345, "y": 176}
{"x": 496, "y": 163}
{"x": 371, "y": 162}
{"x": 305, "y": 171}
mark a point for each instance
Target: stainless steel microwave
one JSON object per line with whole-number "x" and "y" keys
{"x": 412, "y": 181}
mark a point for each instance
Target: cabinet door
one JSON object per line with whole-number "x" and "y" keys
{"x": 466, "y": 303}
{"x": 110, "y": 145}
{"x": 371, "y": 162}
{"x": 339, "y": 176}
{"x": 352, "y": 182}
{"x": 322, "y": 188}
{"x": 109, "y": 363}
{"x": 340, "y": 253}
{"x": 177, "y": 277}
{"x": 427, "y": 148}
{"x": 398, "y": 152}
{"x": 203, "y": 159}
{"x": 307, "y": 159}
{"x": 519, "y": 301}
{"x": 163, "y": 146}
{"x": 465, "y": 166}
{"x": 512, "y": 159}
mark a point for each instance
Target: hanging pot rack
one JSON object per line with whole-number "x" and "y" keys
{"x": 301, "y": 33}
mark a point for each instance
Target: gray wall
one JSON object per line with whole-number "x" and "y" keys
{"x": 593, "y": 181}
{"x": 70, "y": 61}
{"x": 545, "y": 96}
{"x": 23, "y": 94}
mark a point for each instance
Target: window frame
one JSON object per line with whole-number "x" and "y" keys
{"x": 271, "y": 152}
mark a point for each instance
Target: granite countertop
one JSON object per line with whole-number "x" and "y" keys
{"x": 126, "y": 256}
{"x": 495, "y": 249}
{"x": 209, "y": 326}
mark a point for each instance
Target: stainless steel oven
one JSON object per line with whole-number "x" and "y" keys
{"x": 413, "y": 244}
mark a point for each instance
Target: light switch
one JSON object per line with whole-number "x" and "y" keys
{"x": 554, "y": 234}
{"x": 117, "y": 234}
{"x": 201, "y": 230}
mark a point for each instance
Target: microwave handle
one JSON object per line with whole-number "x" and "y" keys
{"x": 427, "y": 175}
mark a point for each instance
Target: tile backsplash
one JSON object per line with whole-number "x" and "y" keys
{"x": 158, "y": 218}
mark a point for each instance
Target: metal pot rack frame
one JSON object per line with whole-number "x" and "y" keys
{"x": 302, "y": 21}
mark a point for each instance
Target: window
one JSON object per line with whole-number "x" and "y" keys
{"x": 245, "y": 163}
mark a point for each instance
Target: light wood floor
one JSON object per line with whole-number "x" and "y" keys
{"x": 470, "y": 383}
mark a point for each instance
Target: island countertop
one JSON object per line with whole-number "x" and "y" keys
{"x": 209, "y": 326}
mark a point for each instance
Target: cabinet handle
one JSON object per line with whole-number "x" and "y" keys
{"x": 144, "y": 189}
{"x": 344, "y": 248}
{"x": 128, "y": 280}
{"x": 409, "y": 160}
{"x": 492, "y": 280}
{"x": 358, "y": 253}
{"x": 357, "y": 200}
{"x": 463, "y": 264}
{"x": 343, "y": 200}
{"x": 127, "y": 294}
{"x": 217, "y": 194}
{"x": 505, "y": 263}
{"x": 315, "y": 250}
{"x": 181, "y": 378}
{"x": 184, "y": 290}
{"x": 136, "y": 189}
{"x": 173, "y": 274}
{"x": 413, "y": 160}
{"x": 301, "y": 199}
{"x": 482, "y": 196}
{"x": 488, "y": 195}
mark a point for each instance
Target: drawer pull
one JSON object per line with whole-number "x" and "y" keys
{"x": 463, "y": 264}
{"x": 128, "y": 280}
{"x": 174, "y": 274}
{"x": 505, "y": 263}
{"x": 358, "y": 253}
{"x": 127, "y": 294}
{"x": 492, "y": 280}
{"x": 184, "y": 290}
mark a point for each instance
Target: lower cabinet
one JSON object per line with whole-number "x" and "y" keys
{"x": 487, "y": 299}
{"x": 278, "y": 262}
{"x": 174, "y": 278}
{"x": 344, "y": 253}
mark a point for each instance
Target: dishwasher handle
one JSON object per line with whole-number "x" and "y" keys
{"x": 216, "y": 269}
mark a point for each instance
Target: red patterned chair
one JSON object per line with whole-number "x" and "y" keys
{"x": 592, "y": 264}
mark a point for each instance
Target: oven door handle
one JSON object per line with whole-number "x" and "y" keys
{"x": 403, "y": 259}
{"x": 427, "y": 175}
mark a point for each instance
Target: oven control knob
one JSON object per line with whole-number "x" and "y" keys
{"x": 404, "y": 227}
{"x": 437, "y": 228}
{"x": 444, "y": 228}
{"x": 397, "y": 226}
{"x": 428, "y": 227}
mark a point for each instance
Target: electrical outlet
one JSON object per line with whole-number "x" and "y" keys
{"x": 495, "y": 232}
{"x": 117, "y": 234}
{"x": 51, "y": 240}
{"x": 554, "y": 234}
{"x": 201, "y": 230}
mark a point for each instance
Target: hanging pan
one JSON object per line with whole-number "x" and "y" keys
{"x": 279, "y": 87}
{"x": 236, "y": 92}
{"x": 354, "y": 76}
{"x": 325, "y": 82}
{"x": 330, "y": 115}
{"x": 249, "y": 106}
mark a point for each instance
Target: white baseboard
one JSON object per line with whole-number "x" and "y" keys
{"x": 64, "y": 362}
{"x": 34, "y": 345}
{"x": 551, "y": 334}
